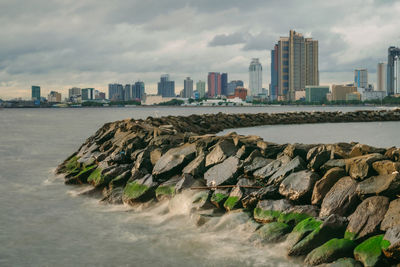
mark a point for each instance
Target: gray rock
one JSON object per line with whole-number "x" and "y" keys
{"x": 140, "y": 190}
{"x": 310, "y": 210}
{"x": 201, "y": 201}
{"x": 333, "y": 163}
{"x": 298, "y": 185}
{"x": 114, "y": 196}
{"x": 392, "y": 216}
{"x": 196, "y": 167}
{"x": 220, "y": 152}
{"x": 366, "y": 219}
{"x": 270, "y": 210}
{"x": 271, "y": 232}
{"x": 386, "y": 167}
{"x": 322, "y": 186}
{"x": 223, "y": 173}
{"x": 257, "y": 163}
{"x": 330, "y": 251}
{"x": 268, "y": 192}
{"x": 360, "y": 149}
{"x": 187, "y": 181}
{"x": 344, "y": 262}
{"x": 267, "y": 170}
{"x": 297, "y": 164}
{"x": 393, "y": 236}
{"x": 254, "y": 154}
{"x": 314, "y": 151}
{"x": 319, "y": 159}
{"x": 361, "y": 167}
{"x": 294, "y": 150}
{"x": 341, "y": 199}
{"x": 388, "y": 185}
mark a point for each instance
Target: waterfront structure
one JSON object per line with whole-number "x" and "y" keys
{"x": 188, "y": 88}
{"x": 214, "y": 84}
{"x": 361, "y": 78}
{"x": 201, "y": 89}
{"x": 116, "y": 92}
{"x": 296, "y": 61}
{"x": 315, "y": 93}
{"x": 127, "y": 92}
{"x": 241, "y": 93}
{"x": 166, "y": 87}
{"x": 393, "y": 53}
{"x": 138, "y": 90}
{"x": 353, "y": 96}
{"x": 74, "y": 92}
{"x": 54, "y": 97}
{"x": 232, "y": 85}
{"x": 35, "y": 92}
{"x": 255, "y": 77}
{"x": 224, "y": 84}
{"x": 87, "y": 94}
{"x": 367, "y": 94}
{"x": 339, "y": 92}
{"x": 381, "y": 77}
{"x": 273, "y": 92}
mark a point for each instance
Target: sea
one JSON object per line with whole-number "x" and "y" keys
{"x": 45, "y": 223}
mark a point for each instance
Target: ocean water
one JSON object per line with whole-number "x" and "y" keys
{"x": 45, "y": 223}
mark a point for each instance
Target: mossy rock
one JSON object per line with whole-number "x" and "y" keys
{"x": 346, "y": 262}
{"x": 232, "y": 202}
{"x": 272, "y": 232}
{"x": 72, "y": 164}
{"x": 370, "y": 252}
{"x": 165, "y": 192}
{"x": 301, "y": 230}
{"x": 96, "y": 178}
{"x": 330, "y": 251}
{"x": 350, "y": 235}
{"x": 134, "y": 190}
{"x": 218, "y": 198}
{"x": 265, "y": 216}
{"x": 292, "y": 218}
{"x": 82, "y": 176}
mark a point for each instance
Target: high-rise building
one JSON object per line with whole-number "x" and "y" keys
{"x": 188, "y": 88}
{"x": 316, "y": 93}
{"x": 361, "y": 78}
{"x": 88, "y": 94}
{"x": 339, "y": 92}
{"x": 127, "y": 92}
{"x": 116, "y": 92}
{"x": 232, "y": 85}
{"x": 166, "y": 88}
{"x": 138, "y": 90}
{"x": 396, "y": 72}
{"x": 296, "y": 60}
{"x": 74, "y": 92}
{"x": 201, "y": 89}
{"x": 54, "y": 97}
{"x": 393, "y": 52}
{"x": 255, "y": 77}
{"x": 35, "y": 92}
{"x": 381, "y": 77}
{"x": 224, "y": 84}
{"x": 273, "y": 94}
{"x": 241, "y": 93}
{"x": 214, "y": 84}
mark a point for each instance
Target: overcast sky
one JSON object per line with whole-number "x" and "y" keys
{"x": 91, "y": 43}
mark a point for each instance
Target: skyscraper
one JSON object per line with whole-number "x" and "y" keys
{"x": 232, "y": 85}
{"x": 166, "y": 88}
{"x": 255, "y": 77}
{"x": 138, "y": 90}
{"x": 74, "y": 92}
{"x": 224, "y": 84}
{"x": 361, "y": 78}
{"x": 35, "y": 92}
{"x": 393, "y": 52}
{"x": 188, "y": 88}
{"x": 396, "y": 72}
{"x": 382, "y": 77}
{"x": 214, "y": 84}
{"x": 273, "y": 94}
{"x": 88, "y": 94}
{"x": 116, "y": 92}
{"x": 127, "y": 92}
{"x": 201, "y": 89}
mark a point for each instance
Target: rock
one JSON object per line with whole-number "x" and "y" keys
{"x": 341, "y": 199}
{"x": 314, "y": 151}
{"x": 120, "y": 180}
{"x": 270, "y": 210}
{"x": 142, "y": 161}
{"x": 155, "y": 155}
{"x": 254, "y": 154}
{"x": 296, "y": 214}
{"x": 187, "y": 181}
{"x": 297, "y": 164}
{"x": 219, "y": 197}
{"x": 196, "y": 167}
{"x": 386, "y": 167}
{"x": 294, "y": 150}
{"x": 114, "y": 196}
{"x": 301, "y": 230}
{"x": 361, "y": 167}
{"x": 360, "y": 150}
{"x": 392, "y": 216}
{"x": 233, "y": 201}
{"x": 369, "y": 252}
{"x": 319, "y": 159}
{"x": 345, "y": 262}
{"x": 388, "y": 185}
{"x": 166, "y": 190}
{"x": 322, "y": 186}
{"x": 81, "y": 177}
{"x": 267, "y": 170}
{"x": 272, "y": 232}
{"x": 220, "y": 152}
{"x": 173, "y": 161}
{"x": 393, "y": 154}
{"x": 268, "y": 192}
{"x": 333, "y": 163}
{"x": 270, "y": 150}
{"x": 298, "y": 185}
{"x": 140, "y": 190}
{"x": 257, "y": 163}
{"x": 201, "y": 200}
{"x": 223, "y": 173}
{"x": 392, "y": 236}
{"x": 366, "y": 219}
{"x": 341, "y": 150}
{"x": 330, "y": 251}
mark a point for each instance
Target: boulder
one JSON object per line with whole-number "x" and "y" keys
{"x": 268, "y": 192}
{"x": 314, "y": 151}
{"x": 366, "y": 219}
{"x": 361, "y": 167}
{"x": 295, "y": 165}
{"x": 272, "y": 232}
{"x": 333, "y": 163}
{"x": 114, "y": 196}
{"x": 196, "y": 167}
{"x": 254, "y": 154}
{"x": 270, "y": 210}
{"x": 220, "y": 152}
{"x": 219, "y": 197}
{"x": 370, "y": 253}
{"x": 360, "y": 149}
{"x": 233, "y": 201}
{"x": 341, "y": 199}
{"x": 393, "y": 154}
{"x": 298, "y": 213}
{"x": 270, "y": 150}
{"x": 187, "y": 181}
{"x": 257, "y": 163}
{"x": 223, "y": 173}
{"x": 392, "y": 236}
{"x": 298, "y": 185}
{"x": 330, "y": 251}
{"x": 341, "y": 150}
{"x": 388, "y": 185}
{"x": 267, "y": 170}
{"x": 322, "y": 186}
{"x": 201, "y": 201}
{"x": 301, "y": 230}
{"x": 392, "y": 216}
{"x": 166, "y": 190}
{"x": 82, "y": 176}
{"x": 386, "y": 167}
{"x": 344, "y": 262}
{"x": 294, "y": 150}
{"x": 140, "y": 190}
{"x": 173, "y": 161}
{"x": 319, "y": 159}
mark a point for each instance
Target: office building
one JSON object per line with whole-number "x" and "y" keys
{"x": 241, "y": 93}
{"x": 54, "y": 97}
{"x": 339, "y": 92}
{"x": 393, "y": 53}
{"x": 166, "y": 87}
{"x": 87, "y": 94}
{"x": 74, "y": 92}
{"x": 138, "y": 90}
{"x": 295, "y": 59}
{"x": 273, "y": 92}
{"x": 396, "y": 75}
{"x": 188, "y": 88}
{"x": 201, "y": 89}
{"x": 127, "y": 92}
{"x": 255, "y": 77}
{"x": 214, "y": 84}
{"x": 381, "y": 77}
{"x": 315, "y": 93}
{"x": 35, "y": 92}
{"x": 232, "y": 85}
{"x": 361, "y": 78}
{"x": 353, "y": 96}
{"x": 116, "y": 92}
{"x": 224, "y": 84}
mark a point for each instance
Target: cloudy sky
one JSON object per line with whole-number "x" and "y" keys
{"x": 90, "y": 43}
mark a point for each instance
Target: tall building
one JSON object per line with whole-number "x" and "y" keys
{"x": 381, "y": 77}
{"x": 88, "y": 94}
{"x": 296, "y": 59}
{"x": 35, "y": 92}
{"x": 241, "y": 93}
{"x": 361, "y": 78}
{"x": 54, "y": 97}
{"x": 255, "y": 77}
{"x": 214, "y": 84}
{"x": 127, "y": 92}
{"x": 201, "y": 89}
{"x": 138, "y": 90}
{"x": 273, "y": 94}
{"x": 232, "y": 85}
{"x": 188, "y": 88}
{"x": 224, "y": 84}
{"x": 396, "y": 73}
{"x": 166, "y": 88}
{"x": 116, "y": 92}
{"x": 316, "y": 93}
{"x": 74, "y": 92}
{"x": 393, "y": 52}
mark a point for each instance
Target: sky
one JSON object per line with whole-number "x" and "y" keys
{"x": 60, "y": 44}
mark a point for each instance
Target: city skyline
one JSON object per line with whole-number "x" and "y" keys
{"x": 122, "y": 47}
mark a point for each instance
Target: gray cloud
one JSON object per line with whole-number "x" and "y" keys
{"x": 227, "y": 39}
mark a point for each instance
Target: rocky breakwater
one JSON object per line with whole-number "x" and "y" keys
{"x": 334, "y": 204}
